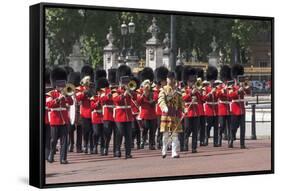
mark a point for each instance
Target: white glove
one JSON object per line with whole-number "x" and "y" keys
{"x": 165, "y": 109}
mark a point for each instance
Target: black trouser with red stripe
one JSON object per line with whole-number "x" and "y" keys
{"x": 202, "y": 131}
{"x": 149, "y": 125}
{"x": 98, "y": 135}
{"x": 236, "y": 122}
{"x": 58, "y": 132}
{"x": 87, "y": 134}
{"x": 224, "y": 127}
{"x": 191, "y": 125}
{"x": 136, "y": 134}
{"x": 123, "y": 129}
{"x": 212, "y": 121}
{"x": 109, "y": 127}
{"x": 47, "y": 140}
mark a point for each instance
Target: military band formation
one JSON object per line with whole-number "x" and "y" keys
{"x": 150, "y": 110}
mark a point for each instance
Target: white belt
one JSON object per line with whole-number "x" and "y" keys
{"x": 108, "y": 106}
{"x": 120, "y": 107}
{"x": 238, "y": 100}
{"x": 46, "y": 108}
{"x": 123, "y": 107}
{"x": 111, "y": 106}
{"x": 225, "y": 102}
{"x": 212, "y": 103}
{"x": 58, "y": 109}
{"x": 188, "y": 103}
{"x": 97, "y": 111}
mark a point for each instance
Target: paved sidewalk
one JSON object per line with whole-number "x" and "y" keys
{"x": 146, "y": 163}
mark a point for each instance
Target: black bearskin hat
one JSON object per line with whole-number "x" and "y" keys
{"x": 100, "y": 74}
{"x": 136, "y": 80}
{"x": 171, "y": 75}
{"x": 147, "y": 74}
{"x": 123, "y": 70}
{"x": 74, "y": 78}
{"x": 212, "y": 73}
{"x": 161, "y": 73}
{"x": 200, "y": 73}
{"x": 112, "y": 76}
{"x": 58, "y": 74}
{"x": 225, "y": 73}
{"x": 237, "y": 70}
{"x": 87, "y": 70}
{"x": 47, "y": 76}
{"x": 178, "y": 71}
{"x": 101, "y": 83}
{"x": 68, "y": 70}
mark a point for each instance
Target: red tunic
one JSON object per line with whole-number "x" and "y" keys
{"x": 122, "y": 111}
{"x": 147, "y": 110}
{"x": 192, "y": 108}
{"x": 96, "y": 114}
{"x": 211, "y": 102}
{"x": 158, "y": 111}
{"x": 237, "y": 105}
{"x": 223, "y": 105}
{"x": 107, "y": 105}
{"x": 85, "y": 108}
{"x": 58, "y": 114}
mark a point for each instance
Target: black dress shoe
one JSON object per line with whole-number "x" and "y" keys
{"x": 95, "y": 150}
{"x": 50, "y": 160}
{"x": 142, "y": 146}
{"x": 243, "y": 147}
{"x": 86, "y": 151}
{"x": 138, "y": 147}
{"x": 78, "y": 151}
{"x": 194, "y": 151}
{"x": 64, "y": 162}
{"x": 158, "y": 147}
{"x": 128, "y": 156}
{"x": 164, "y": 156}
{"x": 152, "y": 148}
{"x": 117, "y": 154}
{"x": 176, "y": 157}
{"x": 105, "y": 152}
{"x": 230, "y": 146}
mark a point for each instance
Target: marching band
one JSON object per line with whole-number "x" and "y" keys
{"x": 160, "y": 108}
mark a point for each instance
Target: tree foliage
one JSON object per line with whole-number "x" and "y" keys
{"x": 65, "y": 26}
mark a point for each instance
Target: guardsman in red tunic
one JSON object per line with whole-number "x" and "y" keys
{"x": 122, "y": 112}
{"x": 97, "y": 122}
{"x": 83, "y": 96}
{"x": 58, "y": 102}
{"x": 97, "y": 114}
{"x": 211, "y": 105}
{"x": 48, "y": 88}
{"x": 223, "y": 107}
{"x": 107, "y": 110}
{"x": 202, "y": 121}
{"x": 161, "y": 80}
{"x": 74, "y": 78}
{"x": 237, "y": 95}
{"x": 137, "y": 123}
{"x": 147, "y": 108}
{"x": 190, "y": 98}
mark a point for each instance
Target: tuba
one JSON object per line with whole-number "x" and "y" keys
{"x": 198, "y": 84}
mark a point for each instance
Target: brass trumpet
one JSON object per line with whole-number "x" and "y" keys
{"x": 68, "y": 90}
{"x": 132, "y": 85}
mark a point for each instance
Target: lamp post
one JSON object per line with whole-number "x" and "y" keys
{"x": 124, "y": 30}
{"x": 131, "y": 33}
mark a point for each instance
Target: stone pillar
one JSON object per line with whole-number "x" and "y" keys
{"x": 76, "y": 59}
{"x": 110, "y": 52}
{"x": 154, "y": 49}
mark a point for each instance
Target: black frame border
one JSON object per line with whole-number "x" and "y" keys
{"x": 37, "y": 98}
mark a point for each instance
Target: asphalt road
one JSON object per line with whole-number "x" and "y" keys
{"x": 146, "y": 163}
